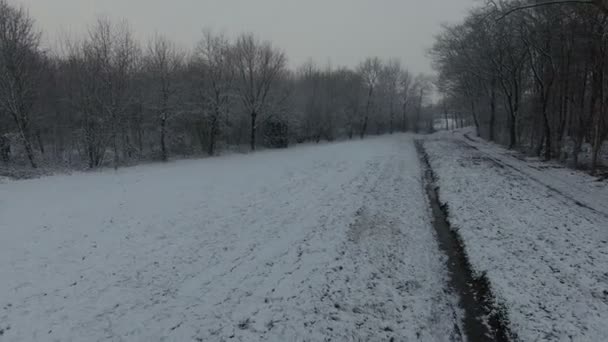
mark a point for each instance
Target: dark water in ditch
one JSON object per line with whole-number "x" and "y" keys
{"x": 482, "y": 322}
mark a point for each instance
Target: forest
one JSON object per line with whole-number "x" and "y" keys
{"x": 531, "y": 75}
{"x": 106, "y": 99}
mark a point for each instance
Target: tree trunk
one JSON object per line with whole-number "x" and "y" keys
{"x": 163, "y": 132}
{"x": 126, "y": 147}
{"x": 91, "y": 159}
{"x": 254, "y": 116}
{"x": 364, "y": 127}
{"x": 576, "y": 151}
{"x": 115, "y": 148}
{"x": 541, "y": 144}
{"x": 23, "y": 126}
{"x": 475, "y": 121}
{"x": 200, "y": 133}
{"x": 212, "y": 135}
{"x": 512, "y": 131}
{"x": 368, "y": 106}
{"x": 39, "y": 141}
{"x": 492, "y": 110}
{"x": 114, "y": 137}
{"x": 513, "y": 107}
{"x": 418, "y": 113}
{"x": 581, "y": 123}
{"x": 140, "y": 139}
{"x": 28, "y": 149}
{"x": 599, "y": 133}
{"x": 564, "y": 104}
{"x": 597, "y": 146}
{"x": 5, "y": 149}
{"x": 405, "y": 123}
{"x": 547, "y": 129}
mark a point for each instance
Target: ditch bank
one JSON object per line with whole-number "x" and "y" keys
{"x": 483, "y": 319}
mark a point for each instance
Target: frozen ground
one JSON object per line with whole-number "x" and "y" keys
{"x": 539, "y": 232}
{"x": 314, "y": 243}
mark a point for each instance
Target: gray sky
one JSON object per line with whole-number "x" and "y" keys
{"x": 341, "y": 31}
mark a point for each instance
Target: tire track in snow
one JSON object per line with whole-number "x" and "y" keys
{"x": 596, "y": 208}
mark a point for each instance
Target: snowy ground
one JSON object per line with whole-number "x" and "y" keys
{"x": 316, "y": 243}
{"x": 538, "y": 231}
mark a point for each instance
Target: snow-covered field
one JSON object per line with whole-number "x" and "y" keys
{"x": 539, "y": 232}
{"x": 314, "y": 243}
{"x": 329, "y": 242}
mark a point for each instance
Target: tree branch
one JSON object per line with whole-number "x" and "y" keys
{"x": 551, "y": 3}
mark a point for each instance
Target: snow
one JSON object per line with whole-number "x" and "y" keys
{"x": 578, "y": 186}
{"x": 311, "y": 243}
{"x": 538, "y": 233}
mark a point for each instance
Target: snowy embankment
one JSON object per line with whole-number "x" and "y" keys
{"x": 539, "y": 234}
{"x": 311, "y": 243}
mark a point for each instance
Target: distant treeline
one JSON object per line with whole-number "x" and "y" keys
{"x": 105, "y": 99}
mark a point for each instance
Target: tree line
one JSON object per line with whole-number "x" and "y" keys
{"x": 106, "y": 99}
{"x": 531, "y": 75}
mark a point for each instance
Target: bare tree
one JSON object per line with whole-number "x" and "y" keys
{"x": 353, "y": 90}
{"x": 370, "y": 71}
{"x": 104, "y": 65}
{"x": 163, "y": 63}
{"x": 20, "y": 63}
{"x": 422, "y": 87}
{"x": 259, "y": 65}
{"x": 216, "y": 87}
{"x": 311, "y": 78}
{"x": 390, "y": 80}
{"x": 114, "y": 54}
{"x": 406, "y": 80}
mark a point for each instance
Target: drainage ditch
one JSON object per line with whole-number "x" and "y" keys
{"x": 483, "y": 320}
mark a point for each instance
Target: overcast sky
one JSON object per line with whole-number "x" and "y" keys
{"x": 340, "y": 31}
